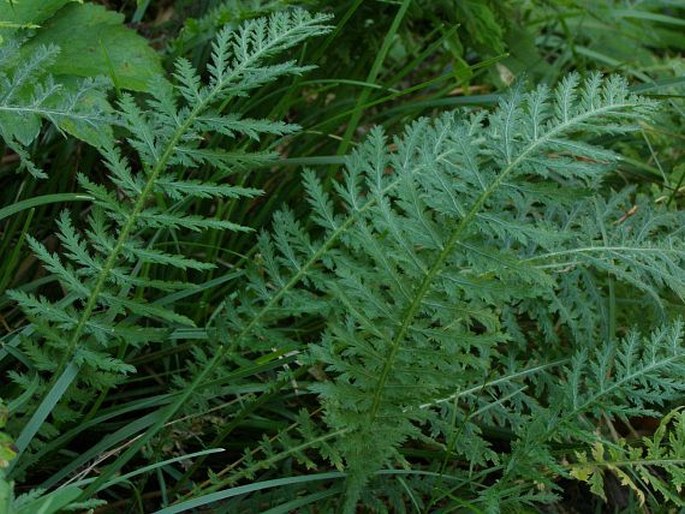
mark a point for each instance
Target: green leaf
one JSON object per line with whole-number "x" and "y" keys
{"x": 30, "y": 94}
{"x": 207, "y": 499}
{"x": 95, "y": 41}
{"x": 31, "y": 12}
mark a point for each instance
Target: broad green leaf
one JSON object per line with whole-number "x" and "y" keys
{"x": 30, "y": 12}
{"x": 95, "y": 41}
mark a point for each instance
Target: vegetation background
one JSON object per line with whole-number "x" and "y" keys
{"x": 225, "y": 288}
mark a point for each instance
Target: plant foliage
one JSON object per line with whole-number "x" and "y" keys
{"x": 470, "y": 314}
{"x": 432, "y": 250}
{"x": 30, "y": 95}
{"x": 102, "y": 268}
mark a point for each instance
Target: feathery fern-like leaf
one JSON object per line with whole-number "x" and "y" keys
{"x": 430, "y": 250}
{"x": 28, "y": 95}
{"x": 105, "y": 260}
